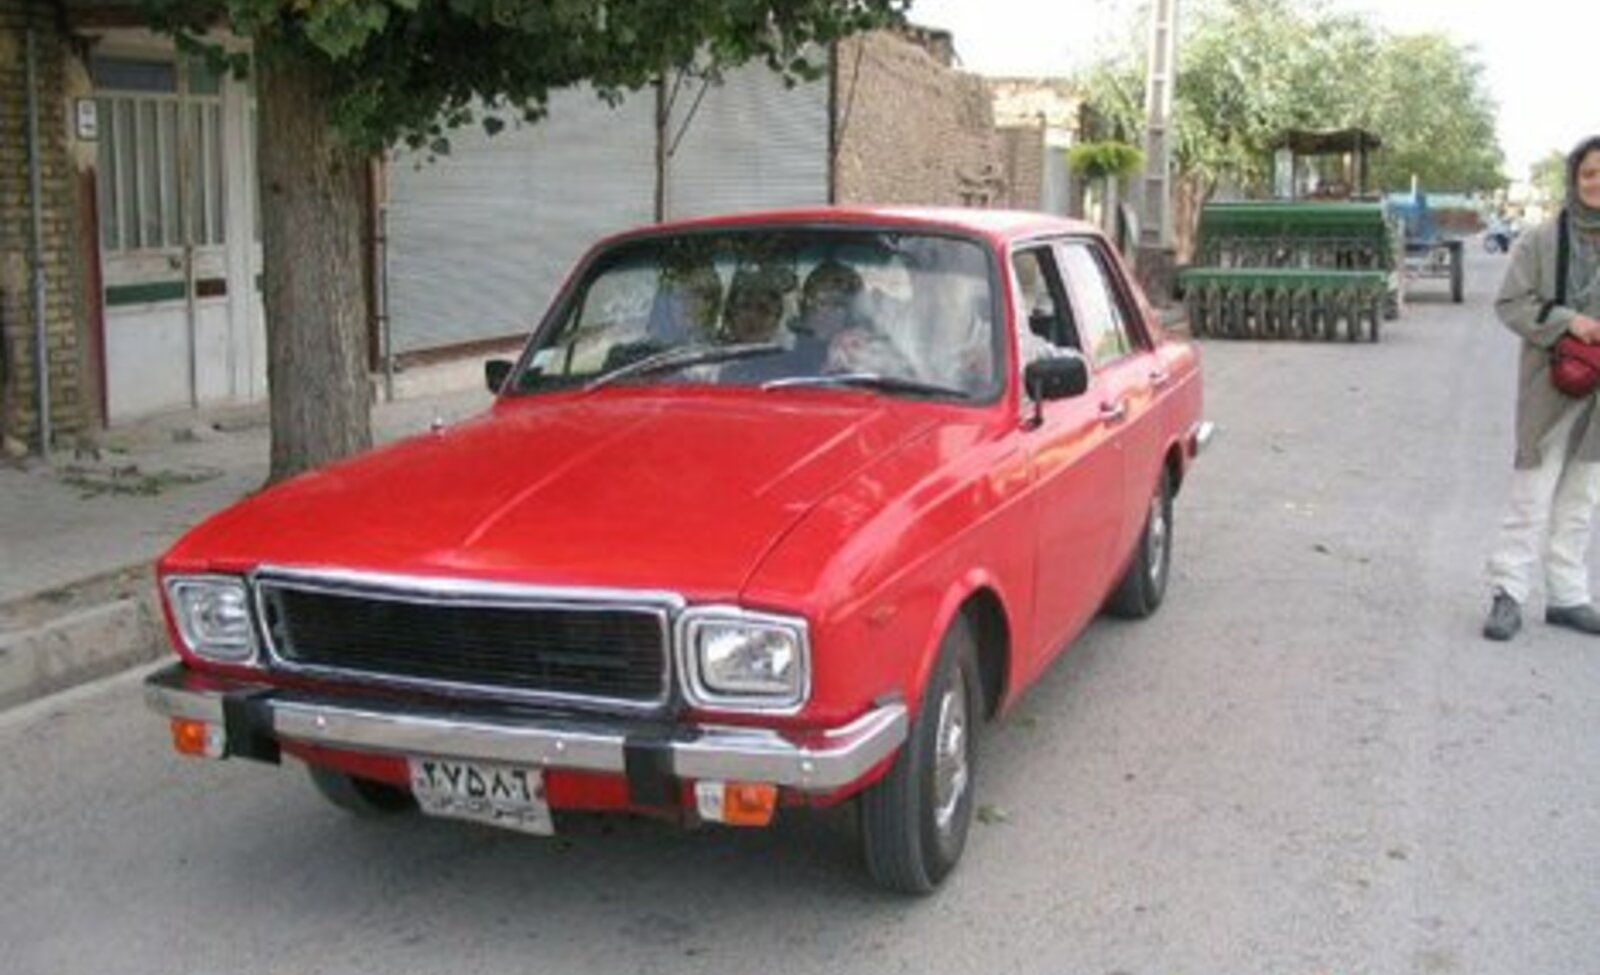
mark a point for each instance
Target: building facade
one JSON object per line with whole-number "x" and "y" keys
{"x": 127, "y": 181}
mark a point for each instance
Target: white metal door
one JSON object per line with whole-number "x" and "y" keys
{"x": 179, "y": 253}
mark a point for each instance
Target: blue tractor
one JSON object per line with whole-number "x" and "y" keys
{"x": 1435, "y": 236}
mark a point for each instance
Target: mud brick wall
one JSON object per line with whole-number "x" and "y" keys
{"x": 910, "y": 130}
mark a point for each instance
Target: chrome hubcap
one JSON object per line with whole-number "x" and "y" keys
{"x": 950, "y": 754}
{"x": 1158, "y": 538}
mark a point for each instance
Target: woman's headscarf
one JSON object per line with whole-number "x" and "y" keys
{"x": 1584, "y": 218}
{"x": 1583, "y": 264}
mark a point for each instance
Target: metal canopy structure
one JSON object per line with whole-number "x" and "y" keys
{"x": 1354, "y": 144}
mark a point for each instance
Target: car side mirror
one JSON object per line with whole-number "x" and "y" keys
{"x": 1059, "y": 377}
{"x": 495, "y": 373}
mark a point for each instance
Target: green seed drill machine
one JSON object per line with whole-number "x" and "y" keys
{"x": 1321, "y": 262}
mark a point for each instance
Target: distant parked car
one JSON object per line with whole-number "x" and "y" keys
{"x": 774, "y": 510}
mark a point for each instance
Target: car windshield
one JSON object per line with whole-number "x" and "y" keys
{"x": 774, "y": 308}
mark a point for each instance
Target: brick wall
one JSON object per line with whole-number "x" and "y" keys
{"x": 1023, "y": 148}
{"x": 64, "y": 316}
{"x": 910, "y": 130}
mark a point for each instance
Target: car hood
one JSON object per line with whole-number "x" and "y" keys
{"x": 613, "y": 489}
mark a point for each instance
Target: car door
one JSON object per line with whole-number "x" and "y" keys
{"x": 1128, "y": 372}
{"x": 1077, "y": 468}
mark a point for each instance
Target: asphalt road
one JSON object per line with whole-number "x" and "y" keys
{"x": 1307, "y": 762}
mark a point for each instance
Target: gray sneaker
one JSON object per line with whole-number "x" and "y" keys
{"x": 1505, "y": 617}
{"x": 1582, "y": 618}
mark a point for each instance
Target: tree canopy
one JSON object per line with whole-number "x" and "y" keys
{"x": 410, "y": 70}
{"x": 1549, "y": 178}
{"x": 1250, "y": 69}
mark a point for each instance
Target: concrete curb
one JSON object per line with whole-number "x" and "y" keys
{"x": 73, "y": 634}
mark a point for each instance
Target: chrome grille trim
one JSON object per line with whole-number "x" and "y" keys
{"x": 466, "y": 593}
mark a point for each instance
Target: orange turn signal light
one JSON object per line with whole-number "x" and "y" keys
{"x": 749, "y": 803}
{"x": 736, "y": 803}
{"x": 197, "y": 738}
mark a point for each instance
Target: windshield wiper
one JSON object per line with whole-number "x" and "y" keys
{"x": 687, "y": 355}
{"x": 871, "y": 380}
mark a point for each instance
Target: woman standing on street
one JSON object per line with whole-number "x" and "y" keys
{"x": 1552, "y": 288}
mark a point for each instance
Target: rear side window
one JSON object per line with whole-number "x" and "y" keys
{"x": 1102, "y": 318}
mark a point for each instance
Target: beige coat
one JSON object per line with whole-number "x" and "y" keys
{"x": 1525, "y": 306}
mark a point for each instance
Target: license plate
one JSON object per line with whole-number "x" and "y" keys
{"x": 498, "y": 795}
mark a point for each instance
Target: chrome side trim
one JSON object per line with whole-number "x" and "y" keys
{"x": 820, "y": 762}
{"x": 430, "y": 591}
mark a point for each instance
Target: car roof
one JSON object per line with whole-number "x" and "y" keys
{"x": 998, "y": 226}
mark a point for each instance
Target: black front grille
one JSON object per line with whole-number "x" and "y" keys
{"x": 599, "y": 652}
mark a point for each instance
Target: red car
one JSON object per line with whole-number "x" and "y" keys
{"x": 774, "y": 510}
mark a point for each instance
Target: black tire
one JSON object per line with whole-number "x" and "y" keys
{"x": 1144, "y": 584}
{"x": 914, "y": 821}
{"x": 358, "y": 796}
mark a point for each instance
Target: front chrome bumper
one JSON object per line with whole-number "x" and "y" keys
{"x": 1200, "y": 437}
{"x": 823, "y": 761}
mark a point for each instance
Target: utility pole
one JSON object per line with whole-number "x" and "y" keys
{"x": 1157, "y": 259}
{"x": 1155, "y": 217}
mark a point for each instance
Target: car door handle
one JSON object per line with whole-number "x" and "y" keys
{"x": 1159, "y": 378}
{"x": 1112, "y": 413}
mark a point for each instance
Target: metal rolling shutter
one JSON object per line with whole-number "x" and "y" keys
{"x": 480, "y": 240}
{"x": 752, "y": 144}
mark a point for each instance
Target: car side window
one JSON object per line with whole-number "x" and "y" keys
{"x": 1041, "y": 303}
{"x": 1102, "y": 316}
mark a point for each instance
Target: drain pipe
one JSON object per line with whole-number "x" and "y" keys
{"x": 40, "y": 357}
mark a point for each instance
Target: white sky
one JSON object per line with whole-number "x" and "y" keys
{"x": 1541, "y": 57}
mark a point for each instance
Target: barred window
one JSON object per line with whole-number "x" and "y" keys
{"x": 160, "y": 154}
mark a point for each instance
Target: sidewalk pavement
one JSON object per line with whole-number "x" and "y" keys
{"x": 79, "y": 533}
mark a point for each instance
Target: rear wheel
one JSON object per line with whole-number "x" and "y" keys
{"x": 914, "y": 821}
{"x": 358, "y": 796}
{"x": 1144, "y": 584}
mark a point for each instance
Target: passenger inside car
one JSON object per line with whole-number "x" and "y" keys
{"x": 754, "y": 308}
{"x": 687, "y": 303}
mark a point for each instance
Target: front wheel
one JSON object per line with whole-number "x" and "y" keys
{"x": 1144, "y": 584}
{"x": 914, "y": 821}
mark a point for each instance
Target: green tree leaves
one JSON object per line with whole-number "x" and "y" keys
{"x": 1250, "y": 69}
{"x": 1549, "y": 178}
{"x": 405, "y": 70}
{"x": 1105, "y": 160}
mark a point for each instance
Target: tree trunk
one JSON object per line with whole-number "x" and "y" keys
{"x": 1193, "y": 194}
{"x": 316, "y": 305}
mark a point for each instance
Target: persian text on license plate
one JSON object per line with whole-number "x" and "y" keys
{"x": 499, "y": 795}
